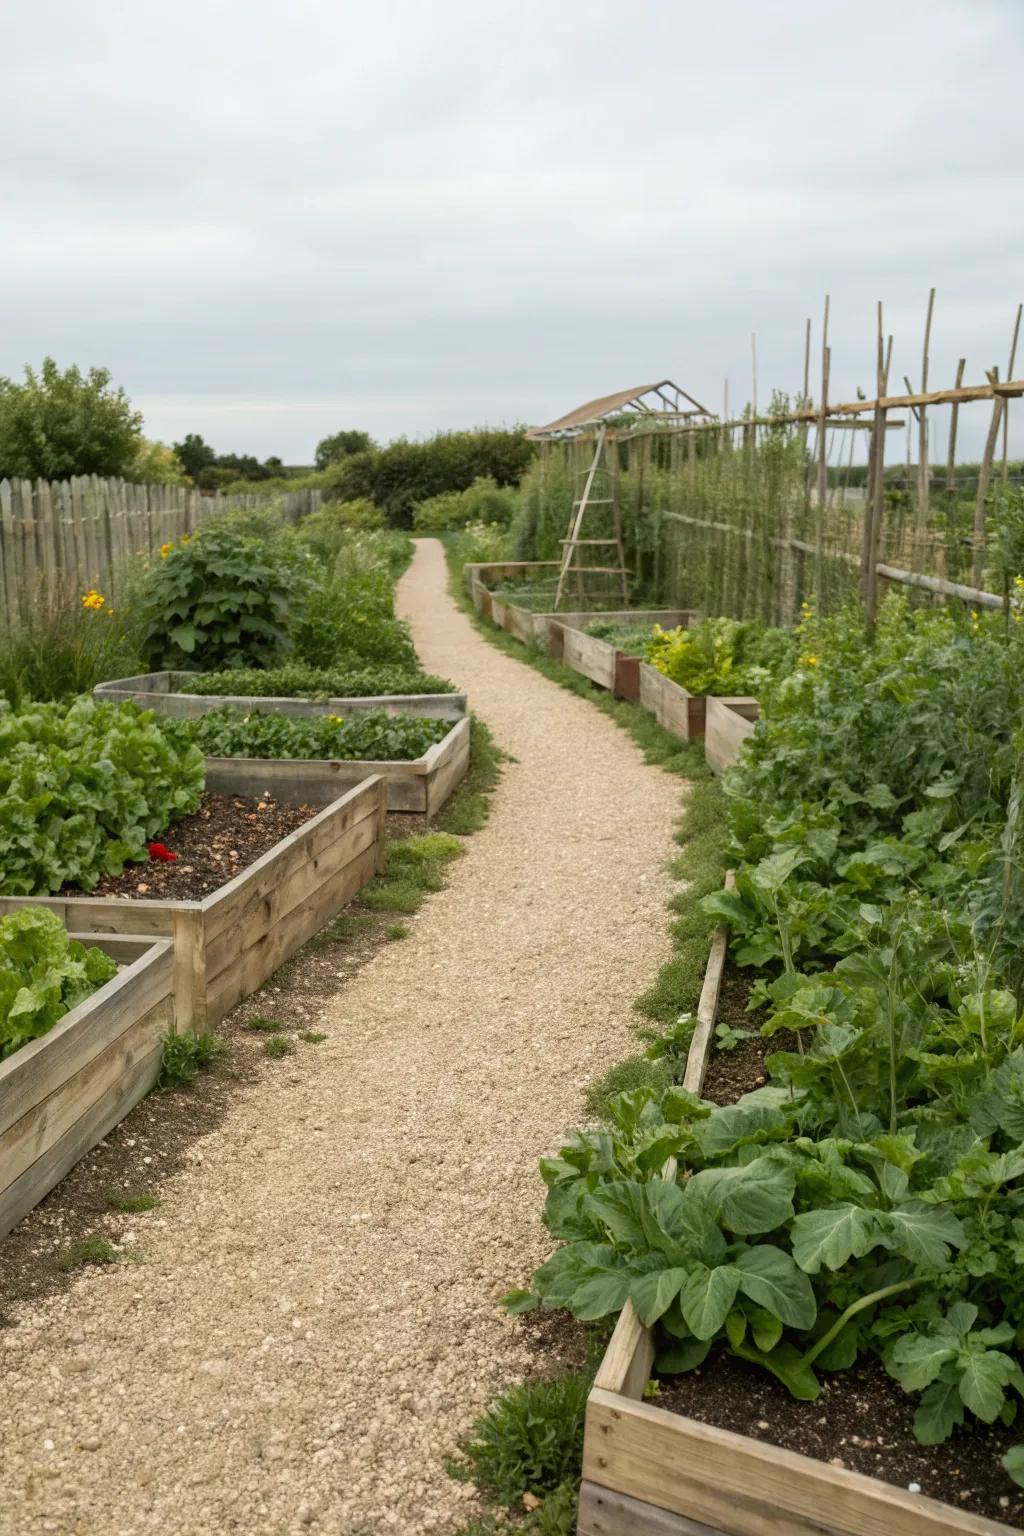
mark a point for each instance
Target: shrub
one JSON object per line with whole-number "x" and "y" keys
{"x": 480, "y": 543}
{"x": 216, "y": 599}
{"x": 483, "y": 502}
{"x": 341, "y": 446}
{"x": 722, "y": 656}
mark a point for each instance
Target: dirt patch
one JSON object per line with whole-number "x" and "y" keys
{"x": 733, "y": 1073}
{"x": 863, "y": 1420}
{"x": 225, "y": 835}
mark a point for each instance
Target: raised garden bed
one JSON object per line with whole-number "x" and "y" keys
{"x": 648, "y": 1471}
{"x": 679, "y": 711}
{"x": 420, "y": 785}
{"x": 226, "y": 944}
{"x": 599, "y": 660}
{"x": 161, "y": 692}
{"x": 727, "y": 724}
{"x": 62, "y": 1093}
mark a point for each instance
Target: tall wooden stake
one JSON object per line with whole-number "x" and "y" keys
{"x": 922, "y": 439}
{"x": 984, "y": 474}
{"x": 876, "y": 480}
{"x": 1006, "y": 408}
{"x": 819, "y": 572}
{"x": 954, "y": 416}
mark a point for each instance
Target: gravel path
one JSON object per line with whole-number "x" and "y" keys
{"x": 314, "y": 1322}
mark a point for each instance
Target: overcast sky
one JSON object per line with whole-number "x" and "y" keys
{"x": 274, "y": 220}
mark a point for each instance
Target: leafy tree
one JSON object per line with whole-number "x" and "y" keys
{"x": 341, "y": 445}
{"x": 59, "y": 424}
{"x": 195, "y": 454}
{"x": 156, "y": 464}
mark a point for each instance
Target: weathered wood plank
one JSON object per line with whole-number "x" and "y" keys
{"x": 27, "y": 1077}
{"x": 47, "y": 1121}
{"x": 748, "y": 1488}
{"x": 222, "y": 908}
{"x": 707, "y": 1006}
{"x": 257, "y": 906}
{"x": 450, "y": 770}
{"x": 261, "y": 959}
{"x": 99, "y": 1118}
{"x": 612, "y": 1514}
{"x": 727, "y": 724}
{"x": 160, "y": 691}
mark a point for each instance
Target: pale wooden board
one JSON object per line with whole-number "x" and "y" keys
{"x": 96, "y": 1120}
{"x": 681, "y": 712}
{"x": 27, "y": 1077}
{"x": 263, "y": 957}
{"x": 589, "y": 656}
{"x": 748, "y": 1488}
{"x": 50, "y": 1119}
{"x": 626, "y": 1364}
{"x": 728, "y": 723}
{"x": 707, "y": 1006}
{"x": 317, "y": 782}
{"x": 612, "y": 1514}
{"x": 102, "y": 914}
{"x": 449, "y": 768}
{"x": 151, "y": 691}
{"x": 221, "y": 909}
{"x": 652, "y": 684}
{"x": 260, "y": 905}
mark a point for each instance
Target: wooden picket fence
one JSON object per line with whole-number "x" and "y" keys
{"x": 70, "y": 535}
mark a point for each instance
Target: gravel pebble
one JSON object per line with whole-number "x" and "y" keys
{"x": 314, "y": 1322}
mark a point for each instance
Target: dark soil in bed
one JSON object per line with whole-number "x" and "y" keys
{"x": 863, "y": 1420}
{"x": 731, "y": 1074}
{"x": 215, "y": 843}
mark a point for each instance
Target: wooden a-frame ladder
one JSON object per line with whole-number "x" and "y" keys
{"x": 575, "y": 542}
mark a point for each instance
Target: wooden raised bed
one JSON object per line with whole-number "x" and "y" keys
{"x": 728, "y": 723}
{"x": 650, "y": 1472}
{"x": 61, "y": 1094}
{"x": 228, "y": 943}
{"x": 599, "y": 660}
{"x": 420, "y": 785}
{"x": 679, "y": 711}
{"x": 159, "y": 691}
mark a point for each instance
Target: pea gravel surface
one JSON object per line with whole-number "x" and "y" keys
{"x": 314, "y": 1319}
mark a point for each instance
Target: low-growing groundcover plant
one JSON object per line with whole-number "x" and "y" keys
{"x": 868, "y": 1200}
{"x": 43, "y": 975}
{"x": 372, "y": 736}
{"x": 83, "y": 789}
{"x": 296, "y": 680}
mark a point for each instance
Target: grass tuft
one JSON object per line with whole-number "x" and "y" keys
{"x": 131, "y": 1204}
{"x": 626, "y": 1077}
{"x": 265, "y": 1026}
{"x": 276, "y": 1046}
{"x": 398, "y": 930}
{"x": 311, "y": 1036}
{"x": 530, "y": 1440}
{"x": 89, "y": 1250}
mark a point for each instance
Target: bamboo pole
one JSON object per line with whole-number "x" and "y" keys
{"x": 954, "y": 417}
{"x": 876, "y": 501}
{"x": 984, "y": 474}
{"x": 1006, "y": 411}
{"x": 820, "y": 445}
{"x": 921, "y": 524}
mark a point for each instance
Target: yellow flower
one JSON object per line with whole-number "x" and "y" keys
{"x": 93, "y": 600}
{"x": 336, "y": 719}
{"x": 110, "y": 613}
{"x": 809, "y": 661}
{"x": 165, "y": 550}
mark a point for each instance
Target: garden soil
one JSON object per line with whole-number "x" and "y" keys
{"x": 314, "y": 1321}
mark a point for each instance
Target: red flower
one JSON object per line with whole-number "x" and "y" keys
{"x": 159, "y": 852}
